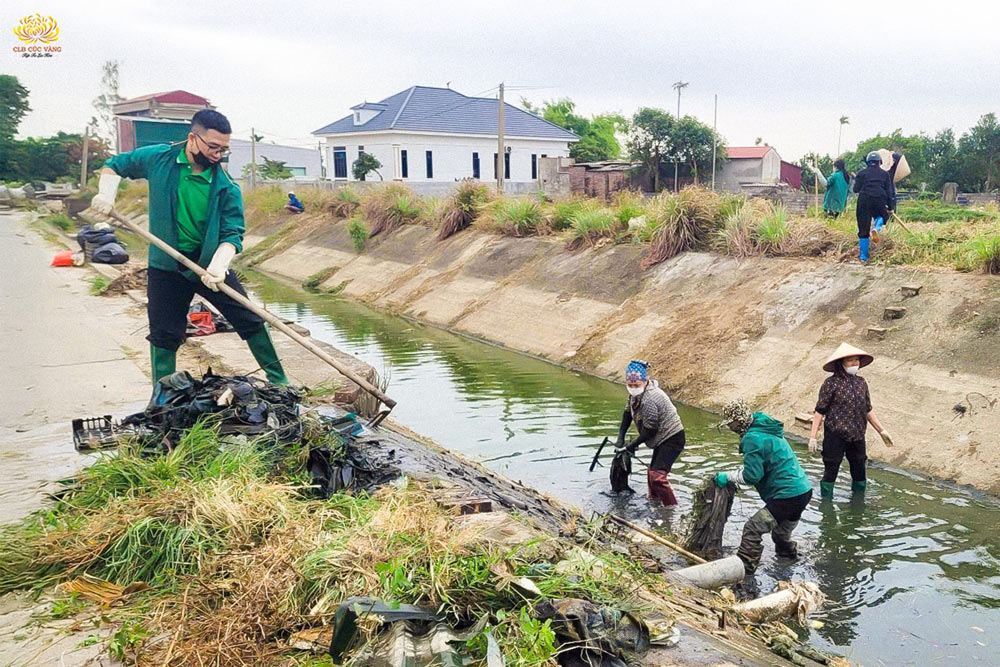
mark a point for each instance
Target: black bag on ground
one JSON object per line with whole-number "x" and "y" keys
{"x": 621, "y": 468}
{"x": 110, "y": 253}
{"x": 95, "y": 237}
{"x": 712, "y": 506}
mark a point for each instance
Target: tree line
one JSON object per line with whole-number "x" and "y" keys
{"x": 655, "y": 138}
{"x": 971, "y": 160}
{"x": 55, "y": 158}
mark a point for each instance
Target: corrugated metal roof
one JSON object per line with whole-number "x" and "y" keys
{"x": 737, "y": 152}
{"x": 426, "y": 109}
{"x": 171, "y": 96}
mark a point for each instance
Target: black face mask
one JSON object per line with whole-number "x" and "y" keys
{"x": 202, "y": 160}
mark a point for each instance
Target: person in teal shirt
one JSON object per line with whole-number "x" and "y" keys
{"x": 837, "y": 187}
{"x": 769, "y": 465}
{"x": 197, "y": 209}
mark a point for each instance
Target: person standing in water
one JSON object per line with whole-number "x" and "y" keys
{"x": 844, "y": 408}
{"x": 659, "y": 427}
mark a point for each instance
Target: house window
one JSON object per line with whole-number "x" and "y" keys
{"x": 475, "y": 165}
{"x": 544, "y": 155}
{"x": 506, "y": 166}
{"x": 430, "y": 165}
{"x": 340, "y": 162}
{"x": 534, "y": 167}
{"x": 404, "y": 167}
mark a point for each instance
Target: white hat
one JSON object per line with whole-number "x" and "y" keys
{"x": 843, "y": 352}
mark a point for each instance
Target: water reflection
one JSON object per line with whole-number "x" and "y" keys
{"x": 911, "y": 569}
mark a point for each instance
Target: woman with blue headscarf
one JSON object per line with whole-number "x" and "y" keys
{"x": 659, "y": 427}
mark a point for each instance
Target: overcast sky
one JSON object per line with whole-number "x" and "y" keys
{"x": 783, "y": 71}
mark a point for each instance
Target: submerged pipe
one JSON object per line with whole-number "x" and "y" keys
{"x": 713, "y": 574}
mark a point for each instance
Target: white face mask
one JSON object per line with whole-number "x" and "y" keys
{"x": 852, "y": 370}
{"x": 636, "y": 391}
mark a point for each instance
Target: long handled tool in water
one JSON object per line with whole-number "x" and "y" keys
{"x": 271, "y": 319}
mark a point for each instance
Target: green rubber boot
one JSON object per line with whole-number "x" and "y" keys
{"x": 826, "y": 489}
{"x": 263, "y": 351}
{"x": 163, "y": 362}
{"x": 859, "y": 487}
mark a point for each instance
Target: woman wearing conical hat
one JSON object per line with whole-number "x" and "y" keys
{"x": 844, "y": 408}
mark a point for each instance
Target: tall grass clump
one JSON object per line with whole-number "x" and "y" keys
{"x": 679, "y": 222}
{"x": 345, "y": 202}
{"x": 267, "y": 200}
{"x": 983, "y": 251}
{"x": 390, "y": 207}
{"x": 561, "y": 212}
{"x": 592, "y": 223}
{"x": 462, "y": 207}
{"x": 512, "y": 216}
{"x": 772, "y": 230}
{"x": 627, "y": 205}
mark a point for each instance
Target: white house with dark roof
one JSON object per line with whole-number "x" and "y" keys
{"x": 425, "y": 134}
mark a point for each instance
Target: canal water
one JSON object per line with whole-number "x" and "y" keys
{"x": 911, "y": 569}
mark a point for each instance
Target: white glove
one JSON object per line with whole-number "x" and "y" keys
{"x": 813, "y": 445}
{"x": 814, "y": 169}
{"x": 886, "y": 438}
{"x": 107, "y": 192}
{"x": 217, "y": 269}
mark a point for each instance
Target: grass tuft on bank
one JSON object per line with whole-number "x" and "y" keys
{"x": 932, "y": 233}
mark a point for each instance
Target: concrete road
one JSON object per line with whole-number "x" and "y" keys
{"x": 60, "y": 358}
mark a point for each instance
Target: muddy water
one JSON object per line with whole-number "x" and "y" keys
{"x": 912, "y": 568}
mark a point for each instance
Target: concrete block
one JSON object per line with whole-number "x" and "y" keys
{"x": 910, "y": 290}
{"x": 805, "y": 418}
{"x": 893, "y": 312}
{"x": 878, "y": 333}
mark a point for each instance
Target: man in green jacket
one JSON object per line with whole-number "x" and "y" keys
{"x": 197, "y": 209}
{"x": 770, "y": 465}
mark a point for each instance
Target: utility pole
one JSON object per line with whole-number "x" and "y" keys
{"x": 83, "y": 158}
{"x": 253, "y": 159}
{"x": 715, "y": 139}
{"x": 501, "y": 157}
{"x": 678, "y": 86}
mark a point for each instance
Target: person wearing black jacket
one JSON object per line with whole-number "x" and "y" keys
{"x": 874, "y": 187}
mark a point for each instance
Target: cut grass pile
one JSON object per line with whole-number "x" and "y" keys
{"x": 239, "y": 557}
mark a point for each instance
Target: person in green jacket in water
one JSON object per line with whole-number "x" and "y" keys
{"x": 837, "y": 187}
{"x": 197, "y": 209}
{"x": 769, "y": 465}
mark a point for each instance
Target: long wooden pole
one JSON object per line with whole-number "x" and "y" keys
{"x": 656, "y": 538}
{"x": 250, "y": 305}
{"x": 501, "y": 149}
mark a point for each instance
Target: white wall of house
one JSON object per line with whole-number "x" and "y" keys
{"x": 451, "y": 155}
{"x": 771, "y": 167}
{"x": 740, "y": 171}
{"x": 304, "y": 162}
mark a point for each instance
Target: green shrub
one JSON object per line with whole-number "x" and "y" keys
{"x": 268, "y": 200}
{"x": 359, "y": 233}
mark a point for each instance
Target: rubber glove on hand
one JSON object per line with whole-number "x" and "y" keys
{"x": 217, "y": 269}
{"x": 886, "y": 438}
{"x": 721, "y": 480}
{"x": 107, "y": 192}
{"x": 813, "y": 445}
